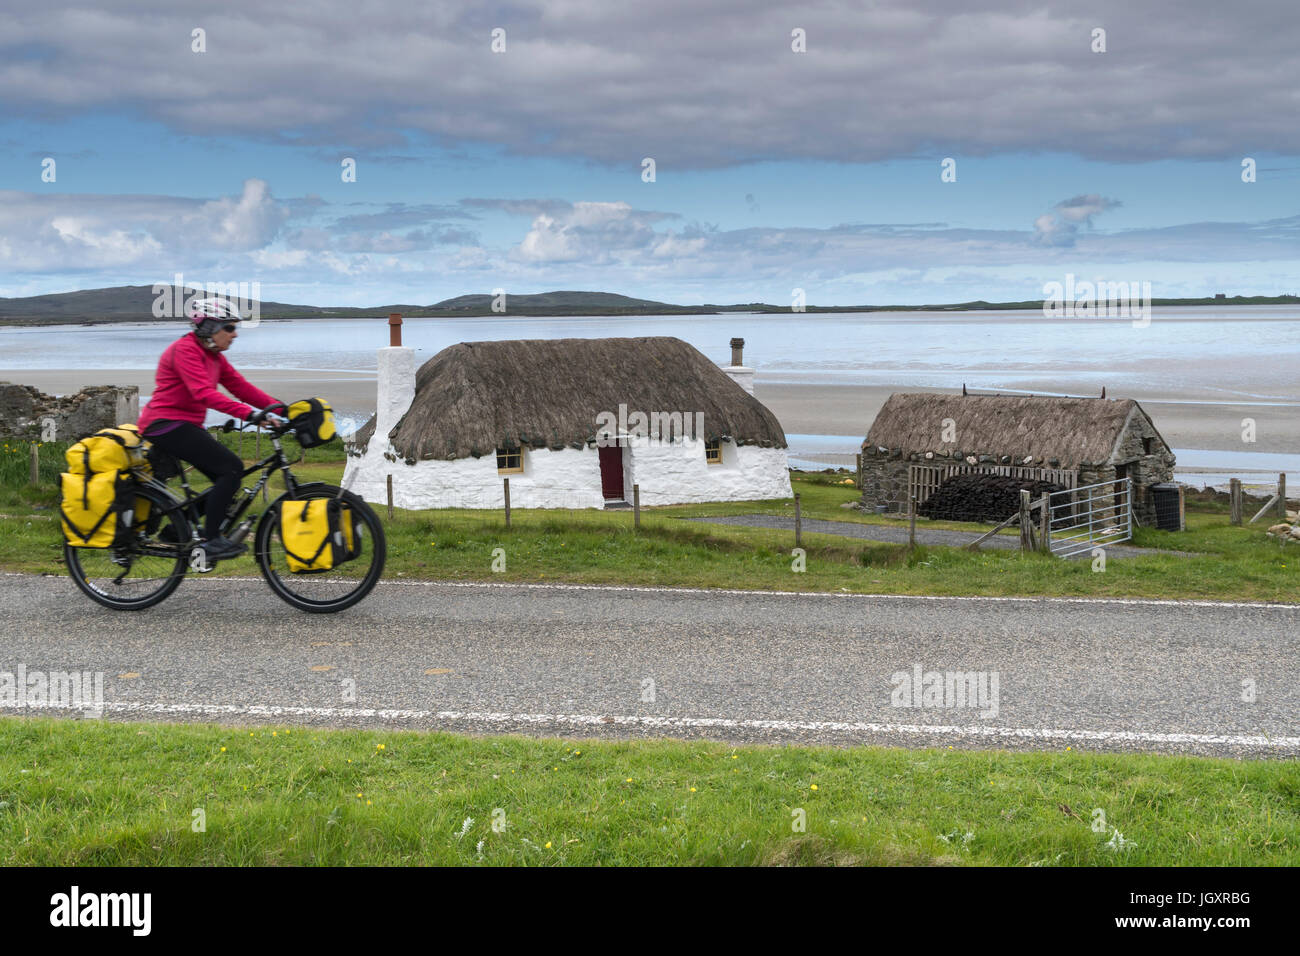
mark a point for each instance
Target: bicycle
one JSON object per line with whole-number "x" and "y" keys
{"x": 150, "y": 564}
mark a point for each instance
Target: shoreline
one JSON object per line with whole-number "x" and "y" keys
{"x": 1186, "y": 418}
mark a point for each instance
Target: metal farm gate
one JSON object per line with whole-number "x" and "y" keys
{"x": 1090, "y": 517}
{"x": 924, "y": 480}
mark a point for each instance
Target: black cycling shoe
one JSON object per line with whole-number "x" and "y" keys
{"x": 222, "y": 549}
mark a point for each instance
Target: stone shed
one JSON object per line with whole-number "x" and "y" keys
{"x": 1071, "y": 441}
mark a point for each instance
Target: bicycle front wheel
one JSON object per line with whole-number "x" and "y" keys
{"x": 340, "y": 587}
{"x": 147, "y": 567}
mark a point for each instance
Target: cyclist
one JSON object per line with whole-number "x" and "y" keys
{"x": 185, "y": 387}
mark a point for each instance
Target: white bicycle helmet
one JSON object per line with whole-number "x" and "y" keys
{"x": 210, "y": 315}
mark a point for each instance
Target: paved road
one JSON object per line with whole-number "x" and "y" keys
{"x": 899, "y": 534}
{"x": 747, "y": 667}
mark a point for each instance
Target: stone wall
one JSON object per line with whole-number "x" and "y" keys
{"x": 28, "y": 413}
{"x": 884, "y": 482}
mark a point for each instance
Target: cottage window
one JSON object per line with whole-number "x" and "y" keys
{"x": 510, "y": 461}
{"x": 1148, "y": 446}
{"x": 713, "y": 452}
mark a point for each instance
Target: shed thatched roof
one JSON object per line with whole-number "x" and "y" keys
{"x": 1075, "y": 431}
{"x": 475, "y": 397}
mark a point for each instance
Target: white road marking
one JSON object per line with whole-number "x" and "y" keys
{"x": 671, "y": 723}
{"x": 742, "y": 592}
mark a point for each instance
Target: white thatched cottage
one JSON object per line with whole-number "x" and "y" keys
{"x": 573, "y": 423}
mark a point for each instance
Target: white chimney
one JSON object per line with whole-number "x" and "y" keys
{"x": 739, "y": 372}
{"x": 396, "y": 380}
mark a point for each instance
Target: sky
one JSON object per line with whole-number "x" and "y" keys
{"x": 895, "y": 152}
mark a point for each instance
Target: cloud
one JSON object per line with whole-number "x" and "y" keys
{"x": 399, "y": 215}
{"x": 246, "y": 222}
{"x": 692, "y": 85}
{"x": 591, "y": 232}
{"x": 521, "y": 207}
{"x": 1061, "y": 226}
{"x": 60, "y": 232}
{"x": 391, "y": 243}
{"x": 111, "y": 240}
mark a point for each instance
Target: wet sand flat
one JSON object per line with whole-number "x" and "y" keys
{"x": 1186, "y": 419}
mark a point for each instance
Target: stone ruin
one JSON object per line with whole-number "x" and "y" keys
{"x": 29, "y": 414}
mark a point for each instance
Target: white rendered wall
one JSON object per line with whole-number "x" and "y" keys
{"x": 677, "y": 473}
{"x": 742, "y": 375}
{"x": 396, "y": 387}
{"x": 551, "y": 479}
{"x": 668, "y": 474}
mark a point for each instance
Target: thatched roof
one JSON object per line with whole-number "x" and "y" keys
{"x": 476, "y": 397}
{"x": 1075, "y": 431}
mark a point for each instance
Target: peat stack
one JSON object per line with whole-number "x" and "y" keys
{"x": 977, "y": 496}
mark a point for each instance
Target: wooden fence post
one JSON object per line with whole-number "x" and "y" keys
{"x": 798, "y": 522}
{"x": 36, "y": 464}
{"x": 636, "y": 506}
{"x": 1234, "y": 501}
{"x": 507, "y": 481}
{"x": 1045, "y": 525}
{"x": 390, "y": 496}
{"x": 1281, "y": 496}
{"x": 911, "y": 521}
{"x": 1026, "y": 524}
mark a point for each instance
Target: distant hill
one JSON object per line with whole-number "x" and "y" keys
{"x": 135, "y": 303}
{"x": 123, "y": 303}
{"x": 554, "y": 300}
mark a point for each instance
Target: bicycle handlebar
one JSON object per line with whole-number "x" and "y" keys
{"x": 277, "y": 430}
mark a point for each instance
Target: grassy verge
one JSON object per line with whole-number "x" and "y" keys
{"x": 277, "y": 796}
{"x": 597, "y": 547}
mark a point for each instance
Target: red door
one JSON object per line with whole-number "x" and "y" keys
{"x": 611, "y": 473}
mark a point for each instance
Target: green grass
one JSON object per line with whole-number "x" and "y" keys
{"x": 600, "y": 547}
{"x": 91, "y": 793}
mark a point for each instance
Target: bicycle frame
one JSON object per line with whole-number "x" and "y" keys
{"x": 192, "y": 505}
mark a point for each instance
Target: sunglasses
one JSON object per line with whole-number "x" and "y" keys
{"x": 229, "y": 328}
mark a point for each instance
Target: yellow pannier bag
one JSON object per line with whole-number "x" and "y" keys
{"x": 317, "y": 534}
{"x": 99, "y": 506}
{"x": 109, "y": 449}
{"x": 96, "y": 507}
{"x": 312, "y": 420}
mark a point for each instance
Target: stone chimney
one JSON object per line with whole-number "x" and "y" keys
{"x": 740, "y": 374}
{"x": 396, "y": 380}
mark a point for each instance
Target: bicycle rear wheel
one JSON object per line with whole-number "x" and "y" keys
{"x": 146, "y": 569}
{"x": 333, "y": 590}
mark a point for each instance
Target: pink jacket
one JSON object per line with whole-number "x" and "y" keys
{"x": 185, "y": 386}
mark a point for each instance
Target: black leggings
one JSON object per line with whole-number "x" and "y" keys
{"x": 191, "y": 443}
